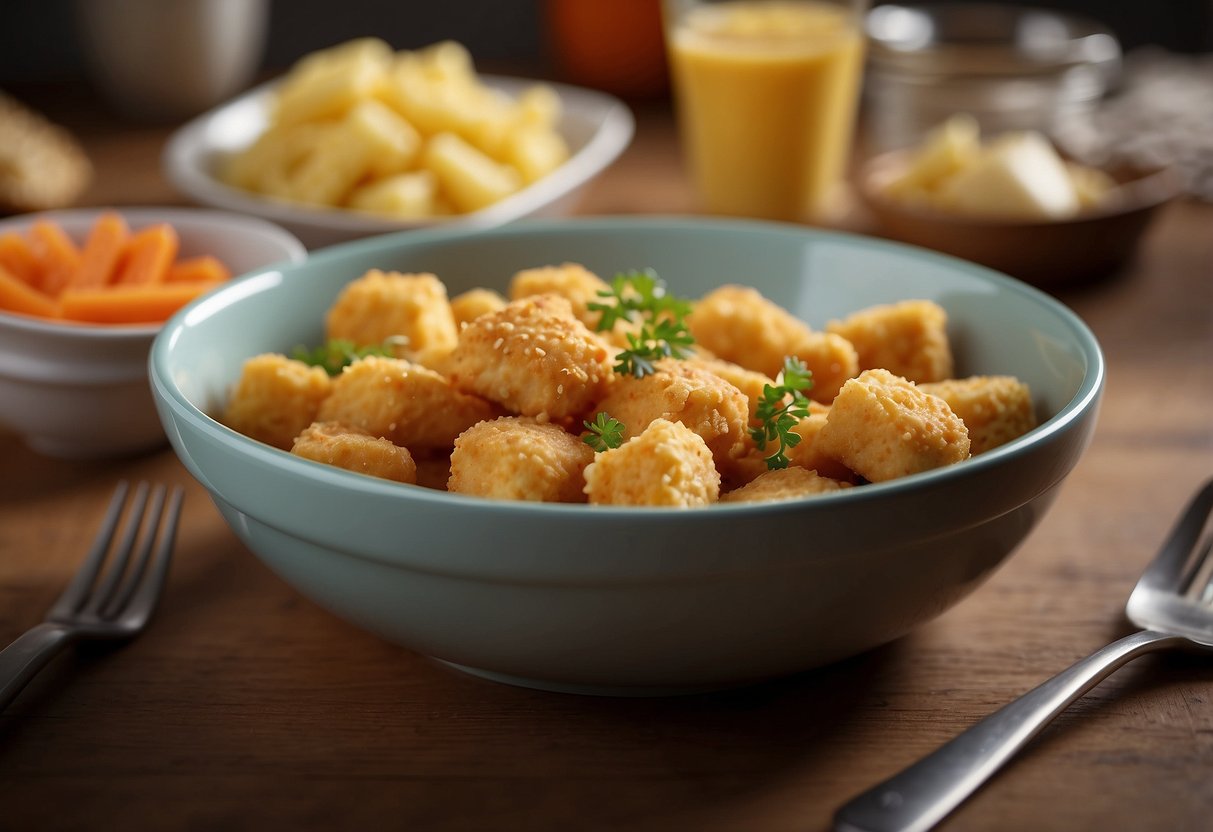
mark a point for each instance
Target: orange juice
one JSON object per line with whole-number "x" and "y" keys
{"x": 766, "y": 94}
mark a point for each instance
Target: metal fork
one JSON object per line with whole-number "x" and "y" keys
{"x": 1172, "y": 603}
{"x": 115, "y": 606}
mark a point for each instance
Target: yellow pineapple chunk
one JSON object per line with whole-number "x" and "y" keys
{"x": 448, "y": 60}
{"x": 267, "y": 166}
{"x": 433, "y": 104}
{"x": 391, "y": 142}
{"x": 413, "y": 194}
{"x": 471, "y": 179}
{"x": 535, "y": 151}
{"x": 370, "y": 140}
{"x": 328, "y": 83}
{"x": 539, "y": 105}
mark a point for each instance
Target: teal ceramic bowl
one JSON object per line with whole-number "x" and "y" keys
{"x": 626, "y": 600}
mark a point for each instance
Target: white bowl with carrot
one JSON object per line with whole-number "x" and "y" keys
{"x": 83, "y": 292}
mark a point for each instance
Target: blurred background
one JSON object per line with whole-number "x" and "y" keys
{"x": 39, "y": 41}
{"x": 162, "y": 61}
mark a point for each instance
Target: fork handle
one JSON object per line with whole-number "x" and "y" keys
{"x": 21, "y": 660}
{"x": 923, "y": 794}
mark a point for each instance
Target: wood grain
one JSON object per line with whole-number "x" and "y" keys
{"x": 246, "y": 706}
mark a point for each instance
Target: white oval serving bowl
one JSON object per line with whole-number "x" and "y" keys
{"x": 597, "y": 127}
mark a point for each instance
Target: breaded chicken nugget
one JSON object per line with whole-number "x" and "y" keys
{"x": 909, "y": 339}
{"x": 404, "y": 402}
{"x": 580, "y": 287}
{"x": 882, "y": 426}
{"x": 749, "y": 382}
{"x": 518, "y": 458}
{"x": 354, "y": 450}
{"x": 571, "y": 281}
{"x": 275, "y": 398}
{"x": 534, "y": 358}
{"x": 784, "y": 484}
{"x": 681, "y": 392}
{"x": 381, "y": 305}
{"x": 470, "y": 305}
{"x": 995, "y": 409}
{"x": 747, "y": 466}
{"x": 738, "y": 324}
{"x": 666, "y": 465}
{"x": 807, "y": 453}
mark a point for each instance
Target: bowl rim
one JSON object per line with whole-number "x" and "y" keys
{"x": 614, "y": 126}
{"x": 138, "y": 216}
{"x": 1085, "y": 398}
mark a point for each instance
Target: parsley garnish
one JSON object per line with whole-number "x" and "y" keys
{"x": 604, "y": 432}
{"x": 640, "y": 296}
{"x": 781, "y": 407}
{"x": 338, "y": 353}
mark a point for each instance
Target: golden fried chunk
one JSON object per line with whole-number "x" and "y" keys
{"x": 518, "y": 458}
{"x": 381, "y": 305}
{"x": 995, "y": 409}
{"x": 470, "y": 305}
{"x": 666, "y": 465}
{"x": 572, "y": 281}
{"x": 404, "y": 402}
{"x": 882, "y": 426}
{"x": 275, "y": 398}
{"x": 534, "y": 357}
{"x": 807, "y": 453}
{"x": 355, "y": 450}
{"x": 909, "y": 339}
{"x": 748, "y": 465}
{"x": 784, "y": 484}
{"x": 679, "y": 392}
{"x": 749, "y": 382}
{"x": 738, "y": 324}
{"x": 580, "y": 287}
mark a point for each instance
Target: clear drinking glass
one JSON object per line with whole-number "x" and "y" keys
{"x": 766, "y": 93}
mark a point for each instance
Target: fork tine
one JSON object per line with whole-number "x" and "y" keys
{"x": 1171, "y": 568}
{"x": 126, "y": 573}
{"x": 1200, "y": 584}
{"x": 120, "y": 554}
{"x": 142, "y": 593}
{"x": 77, "y": 590}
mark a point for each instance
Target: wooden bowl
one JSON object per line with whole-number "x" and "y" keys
{"x": 1089, "y": 246}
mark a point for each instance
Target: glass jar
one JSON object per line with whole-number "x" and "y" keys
{"x": 1011, "y": 68}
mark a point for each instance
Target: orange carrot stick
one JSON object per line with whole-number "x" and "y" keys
{"x": 130, "y": 303}
{"x": 205, "y": 267}
{"x": 99, "y": 258}
{"x": 18, "y": 296}
{"x": 17, "y": 256}
{"x": 56, "y": 254}
{"x": 148, "y": 255}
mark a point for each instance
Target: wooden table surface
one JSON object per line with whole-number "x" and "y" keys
{"x": 246, "y": 706}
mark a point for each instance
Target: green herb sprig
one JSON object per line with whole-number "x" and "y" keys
{"x": 605, "y": 432}
{"x": 338, "y": 353}
{"x": 640, "y": 296}
{"x": 781, "y": 407}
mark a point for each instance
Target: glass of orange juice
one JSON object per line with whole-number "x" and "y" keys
{"x": 766, "y": 93}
